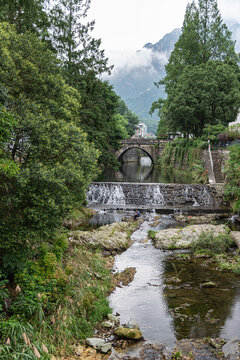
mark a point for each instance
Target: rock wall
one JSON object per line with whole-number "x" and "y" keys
{"x": 219, "y": 163}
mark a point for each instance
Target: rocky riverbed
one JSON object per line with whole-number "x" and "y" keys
{"x": 116, "y": 238}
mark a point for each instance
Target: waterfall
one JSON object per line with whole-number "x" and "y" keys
{"x": 155, "y": 195}
{"x": 105, "y": 194}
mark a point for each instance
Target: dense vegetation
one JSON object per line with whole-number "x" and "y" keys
{"x": 59, "y": 126}
{"x": 183, "y": 158}
{"x": 202, "y": 74}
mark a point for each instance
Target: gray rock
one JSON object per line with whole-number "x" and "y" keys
{"x": 235, "y": 235}
{"x": 182, "y": 238}
{"x": 107, "y": 324}
{"x": 132, "y": 325}
{"x": 99, "y": 344}
{"x": 109, "y": 237}
{"x": 113, "y": 318}
{"x": 231, "y": 349}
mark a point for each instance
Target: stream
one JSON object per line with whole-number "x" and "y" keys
{"x": 167, "y": 310}
{"x": 166, "y": 298}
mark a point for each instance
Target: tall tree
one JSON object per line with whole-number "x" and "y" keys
{"x": 26, "y": 15}
{"x": 132, "y": 119}
{"x": 83, "y": 63}
{"x": 205, "y": 39}
{"x": 78, "y": 50}
{"x": 56, "y": 162}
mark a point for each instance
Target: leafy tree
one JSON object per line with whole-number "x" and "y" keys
{"x": 121, "y": 128}
{"x": 232, "y": 189}
{"x": 191, "y": 80}
{"x": 204, "y": 94}
{"x": 7, "y": 123}
{"x": 26, "y": 15}
{"x": 83, "y": 62}
{"x": 56, "y": 161}
{"x": 132, "y": 119}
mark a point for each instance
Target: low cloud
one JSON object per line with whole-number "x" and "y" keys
{"x": 128, "y": 60}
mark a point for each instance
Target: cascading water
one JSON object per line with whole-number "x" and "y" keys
{"x": 110, "y": 195}
{"x": 155, "y": 195}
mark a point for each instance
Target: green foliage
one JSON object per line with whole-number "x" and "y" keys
{"x": 202, "y": 75}
{"x": 152, "y": 234}
{"x": 26, "y": 15}
{"x": 184, "y": 156}
{"x": 177, "y": 355}
{"x": 231, "y": 264}
{"x": 7, "y": 124}
{"x": 199, "y": 97}
{"x": 232, "y": 188}
{"x": 211, "y": 132}
{"x": 215, "y": 244}
{"x": 3, "y": 290}
{"x": 132, "y": 119}
{"x": 56, "y": 161}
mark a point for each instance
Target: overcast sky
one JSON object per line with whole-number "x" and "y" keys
{"x": 126, "y": 25}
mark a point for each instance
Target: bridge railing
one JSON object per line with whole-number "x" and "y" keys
{"x": 142, "y": 141}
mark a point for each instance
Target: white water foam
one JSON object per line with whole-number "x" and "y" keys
{"x": 154, "y": 196}
{"x": 106, "y": 194}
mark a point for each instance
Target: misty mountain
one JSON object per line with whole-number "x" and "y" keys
{"x": 134, "y": 81}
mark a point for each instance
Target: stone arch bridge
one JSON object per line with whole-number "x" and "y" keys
{"x": 152, "y": 147}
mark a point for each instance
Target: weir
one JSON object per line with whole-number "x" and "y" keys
{"x": 195, "y": 197}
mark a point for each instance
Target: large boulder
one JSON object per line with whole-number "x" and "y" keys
{"x": 99, "y": 344}
{"x": 127, "y": 333}
{"x": 235, "y": 235}
{"x": 115, "y": 236}
{"x": 181, "y": 238}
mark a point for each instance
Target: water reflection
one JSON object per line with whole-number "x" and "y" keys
{"x": 199, "y": 312}
{"x": 140, "y": 171}
{"x": 166, "y": 297}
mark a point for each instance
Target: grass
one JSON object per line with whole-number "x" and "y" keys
{"x": 152, "y": 234}
{"x": 207, "y": 241}
{"x": 72, "y": 317}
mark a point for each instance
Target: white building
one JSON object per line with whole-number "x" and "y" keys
{"x": 141, "y": 130}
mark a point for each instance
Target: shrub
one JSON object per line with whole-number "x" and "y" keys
{"x": 152, "y": 234}
{"x": 216, "y": 244}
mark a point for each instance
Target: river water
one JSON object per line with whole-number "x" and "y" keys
{"x": 164, "y": 309}
{"x": 141, "y": 171}
{"x": 167, "y": 310}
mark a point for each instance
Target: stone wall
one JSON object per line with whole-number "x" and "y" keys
{"x": 220, "y": 158}
{"x": 162, "y": 195}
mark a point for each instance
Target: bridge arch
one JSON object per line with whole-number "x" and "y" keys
{"x": 123, "y": 151}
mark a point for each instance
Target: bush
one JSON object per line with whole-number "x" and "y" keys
{"x": 216, "y": 244}
{"x": 152, "y": 234}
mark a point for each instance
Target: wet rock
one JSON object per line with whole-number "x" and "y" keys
{"x": 144, "y": 352}
{"x": 107, "y": 324}
{"x": 109, "y": 237}
{"x": 99, "y": 344}
{"x": 127, "y": 333}
{"x": 197, "y": 349}
{"x": 231, "y": 350}
{"x": 209, "y": 284}
{"x": 235, "y": 235}
{"x": 201, "y": 219}
{"x": 113, "y": 318}
{"x": 182, "y": 238}
{"x": 132, "y": 325}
